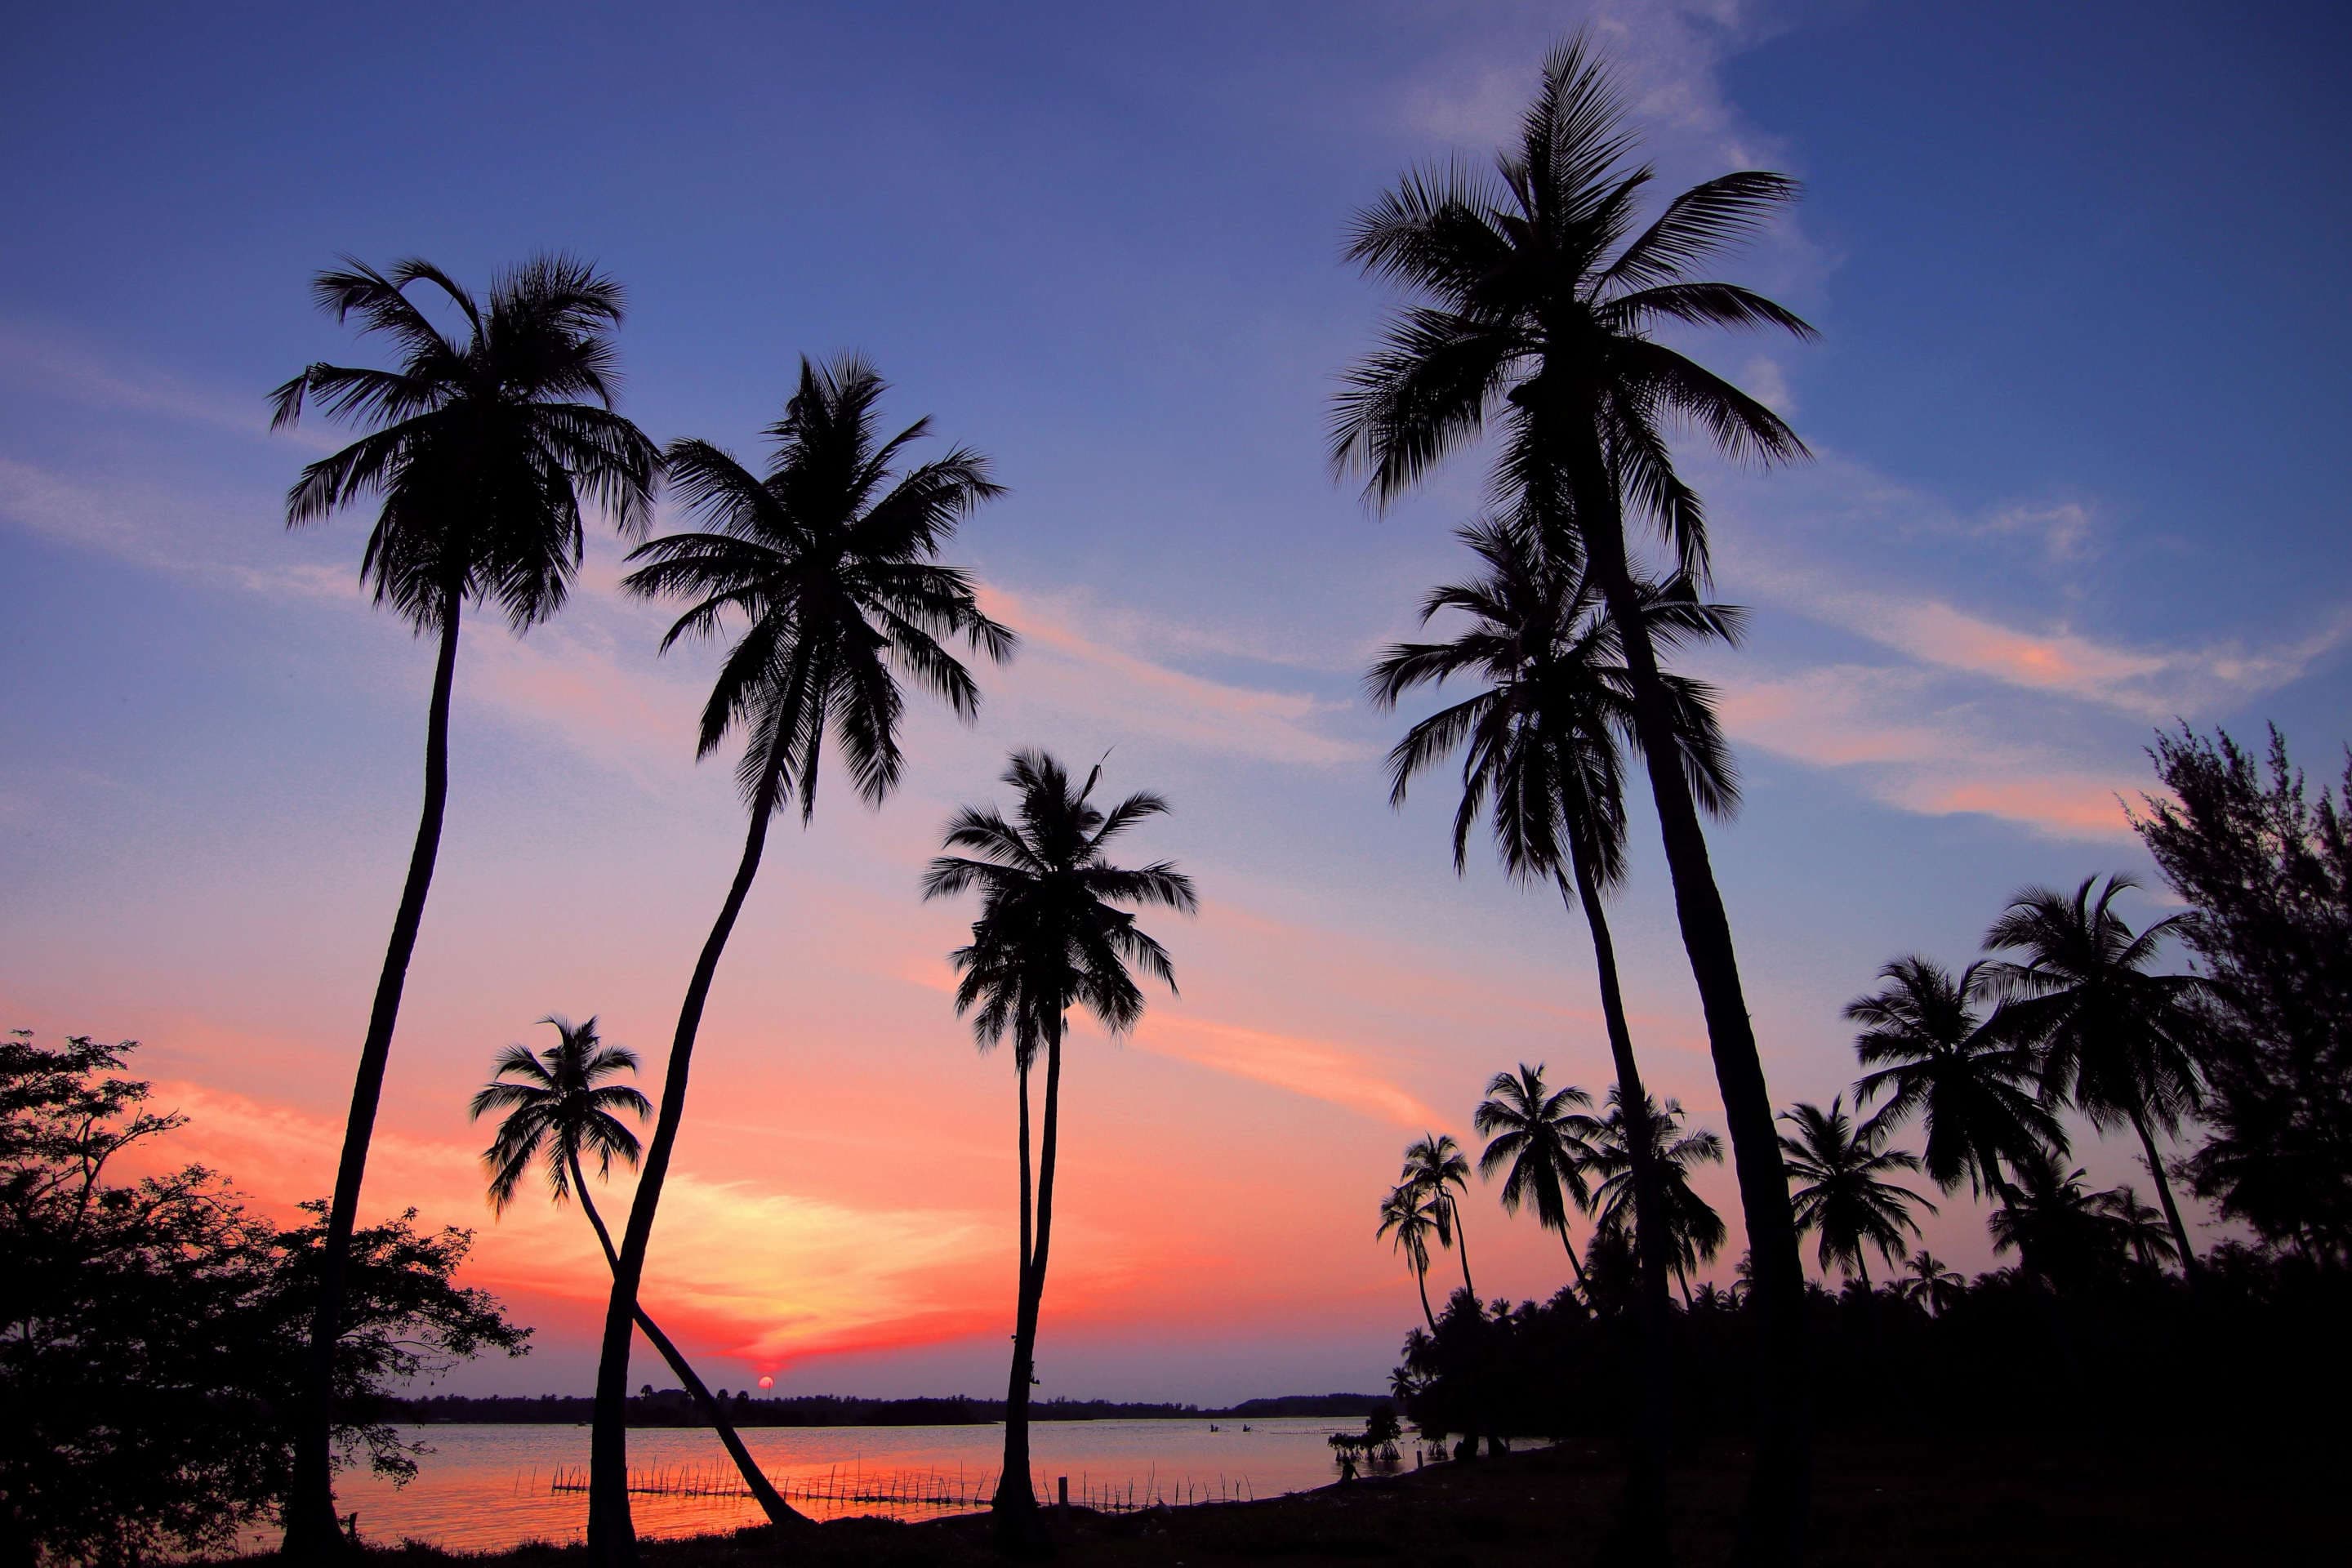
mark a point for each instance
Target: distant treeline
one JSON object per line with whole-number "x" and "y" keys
{"x": 671, "y": 1407}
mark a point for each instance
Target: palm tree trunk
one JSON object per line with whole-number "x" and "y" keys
{"x": 2164, "y": 1195}
{"x": 1462, "y": 1240}
{"x": 1683, "y": 1279}
{"x": 1772, "y": 1525}
{"x": 612, "y": 1534}
{"x": 311, "y": 1527}
{"x": 771, "y": 1502}
{"x": 1015, "y": 1503}
{"x": 1862, "y": 1270}
{"x": 1421, "y": 1279}
{"x": 1573, "y": 1261}
{"x": 1645, "y": 1523}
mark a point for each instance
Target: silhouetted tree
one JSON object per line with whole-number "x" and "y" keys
{"x": 2054, "y": 1224}
{"x": 2142, "y": 1227}
{"x": 2117, "y": 1043}
{"x": 1435, "y": 1169}
{"x": 1695, "y": 1231}
{"x": 1933, "y": 1285}
{"x": 1535, "y": 292}
{"x": 481, "y": 451}
{"x": 1536, "y": 1137}
{"x": 2266, "y": 871}
{"x": 1051, "y": 936}
{"x": 558, "y": 1105}
{"x": 830, "y": 560}
{"x": 1846, "y": 1198}
{"x": 1407, "y": 1222}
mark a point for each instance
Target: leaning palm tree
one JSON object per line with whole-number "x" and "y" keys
{"x": 1534, "y": 297}
{"x": 558, "y": 1107}
{"x": 1435, "y": 1169}
{"x": 2117, "y": 1043}
{"x": 1411, "y": 1221}
{"x": 481, "y": 451}
{"x": 2143, "y": 1228}
{"x": 1935, "y": 1051}
{"x": 1536, "y": 1135}
{"x": 1847, "y": 1198}
{"x": 1695, "y": 1233}
{"x": 1051, "y": 936}
{"x": 1933, "y": 1285}
{"x": 830, "y": 560}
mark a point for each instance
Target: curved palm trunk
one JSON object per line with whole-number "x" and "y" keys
{"x": 1862, "y": 1270}
{"x": 612, "y": 1533}
{"x": 771, "y": 1502}
{"x": 1772, "y": 1526}
{"x": 1645, "y": 1489}
{"x": 1573, "y": 1260}
{"x": 2164, "y": 1195}
{"x": 1682, "y": 1277}
{"x": 1420, "y": 1282}
{"x": 311, "y": 1527}
{"x": 1462, "y": 1240}
{"x": 1015, "y": 1503}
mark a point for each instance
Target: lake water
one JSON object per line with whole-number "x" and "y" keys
{"x": 487, "y": 1488}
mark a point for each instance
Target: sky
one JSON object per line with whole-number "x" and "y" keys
{"x": 2078, "y": 274}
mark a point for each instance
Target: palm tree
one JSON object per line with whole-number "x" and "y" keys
{"x": 1434, "y": 1169}
{"x": 1536, "y": 1135}
{"x": 2053, "y": 1223}
{"x": 558, "y": 1105}
{"x": 1694, "y": 1232}
{"x": 1933, "y": 1285}
{"x": 1530, "y": 296}
{"x": 830, "y": 560}
{"x": 1051, "y": 936}
{"x": 1934, "y": 1053}
{"x": 1848, "y": 1199}
{"x": 1411, "y": 1221}
{"x": 2117, "y": 1043}
{"x": 2143, "y": 1228}
{"x": 480, "y": 452}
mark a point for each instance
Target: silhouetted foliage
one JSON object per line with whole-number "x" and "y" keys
{"x": 2266, "y": 870}
{"x": 153, "y": 1333}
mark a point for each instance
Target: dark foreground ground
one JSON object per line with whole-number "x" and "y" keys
{"x": 2038, "y": 1498}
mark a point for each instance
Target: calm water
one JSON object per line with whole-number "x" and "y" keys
{"x": 485, "y": 1487}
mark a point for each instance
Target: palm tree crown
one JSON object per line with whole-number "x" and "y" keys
{"x": 1435, "y": 1170}
{"x": 1933, "y": 1285}
{"x": 1407, "y": 1222}
{"x": 829, "y": 560}
{"x": 559, "y": 1111}
{"x": 1695, "y": 1231}
{"x": 1538, "y": 1136}
{"x": 1847, "y": 1198}
{"x": 482, "y": 447}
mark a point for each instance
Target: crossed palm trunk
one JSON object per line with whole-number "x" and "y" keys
{"x": 1016, "y": 1498}
{"x": 311, "y": 1527}
{"x": 771, "y": 1502}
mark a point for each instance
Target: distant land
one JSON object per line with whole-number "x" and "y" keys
{"x": 671, "y": 1407}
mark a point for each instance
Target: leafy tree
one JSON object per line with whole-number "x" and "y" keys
{"x": 1435, "y": 1170}
{"x": 2266, "y": 869}
{"x": 1535, "y": 1136}
{"x": 830, "y": 560}
{"x": 1411, "y": 1221}
{"x": 558, "y": 1105}
{"x": 1847, "y": 1199}
{"x": 2117, "y": 1043}
{"x": 1051, "y": 936}
{"x": 1534, "y": 293}
{"x": 1936, "y": 1051}
{"x": 481, "y": 451}
{"x": 1695, "y": 1231}
{"x": 152, "y": 1332}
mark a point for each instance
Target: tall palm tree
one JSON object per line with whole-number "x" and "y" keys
{"x": 1936, "y": 1051}
{"x": 1536, "y": 1135}
{"x": 1694, "y": 1232}
{"x": 1933, "y": 1284}
{"x": 1411, "y": 1221}
{"x": 830, "y": 560}
{"x": 1435, "y": 1169}
{"x": 1847, "y": 1198}
{"x": 1534, "y": 297}
{"x": 558, "y": 1105}
{"x": 480, "y": 450}
{"x": 2117, "y": 1043}
{"x": 2143, "y": 1228}
{"x": 1052, "y": 935}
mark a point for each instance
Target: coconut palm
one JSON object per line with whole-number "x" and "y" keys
{"x": 1052, "y": 935}
{"x": 1533, "y": 293}
{"x": 1937, "y": 1052}
{"x": 1435, "y": 1169}
{"x": 1847, "y": 1198}
{"x": 1933, "y": 1285}
{"x": 2117, "y": 1043}
{"x": 1410, "y": 1222}
{"x": 829, "y": 559}
{"x": 481, "y": 451}
{"x": 1694, "y": 1232}
{"x": 1536, "y": 1137}
{"x": 2055, "y": 1225}
{"x": 2143, "y": 1228}
{"x": 558, "y": 1107}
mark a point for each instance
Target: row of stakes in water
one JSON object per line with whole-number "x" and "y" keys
{"x": 909, "y": 1489}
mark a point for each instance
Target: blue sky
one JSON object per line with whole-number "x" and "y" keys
{"x": 2079, "y": 275}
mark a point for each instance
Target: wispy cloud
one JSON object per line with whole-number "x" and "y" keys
{"x": 75, "y": 372}
{"x": 1319, "y": 1070}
